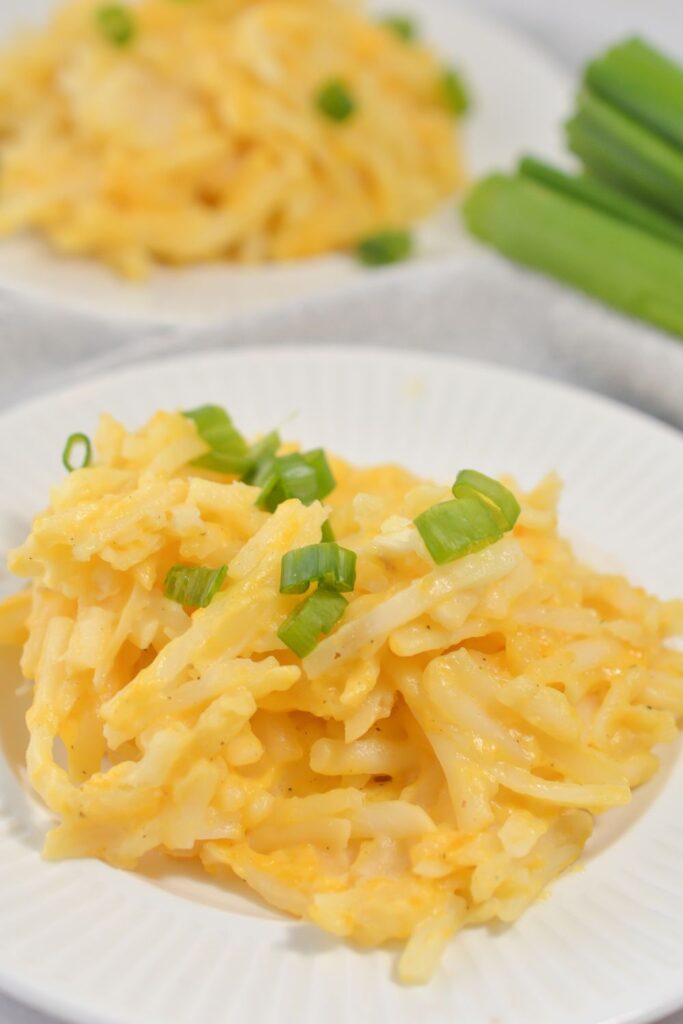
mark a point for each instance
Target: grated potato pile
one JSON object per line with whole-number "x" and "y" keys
{"x": 200, "y": 140}
{"x": 435, "y": 762}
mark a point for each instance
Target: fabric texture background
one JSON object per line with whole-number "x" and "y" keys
{"x": 480, "y": 308}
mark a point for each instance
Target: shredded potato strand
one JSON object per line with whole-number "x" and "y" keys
{"x": 436, "y": 762}
{"x": 201, "y": 140}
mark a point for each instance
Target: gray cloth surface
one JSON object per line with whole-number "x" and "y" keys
{"x": 482, "y": 308}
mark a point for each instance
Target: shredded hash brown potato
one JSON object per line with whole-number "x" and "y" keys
{"x": 435, "y": 762}
{"x": 201, "y": 139}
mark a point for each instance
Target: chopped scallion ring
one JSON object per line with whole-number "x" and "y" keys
{"x": 328, "y": 564}
{"x": 261, "y": 457}
{"x": 75, "y": 441}
{"x": 307, "y": 477}
{"x": 325, "y": 481}
{"x": 385, "y": 248}
{"x": 229, "y": 451}
{"x": 230, "y": 454}
{"x": 116, "y": 23}
{"x": 457, "y": 528}
{"x": 290, "y": 477}
{"x": 226, "y": 463}
{"x": 327, "y": 533}
{"x": 402, "y": 26}
{"x": 454, "y": 92}
{"x": 335, "y": 101}
{"x": 193, "y": 585}
{"x": 313, "y": 618}
{"x": 502, "y": 502}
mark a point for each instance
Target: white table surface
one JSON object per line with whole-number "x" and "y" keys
{"x": 573, "y": 32}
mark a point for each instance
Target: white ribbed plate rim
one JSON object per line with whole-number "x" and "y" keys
{"x": 98, "y": 946}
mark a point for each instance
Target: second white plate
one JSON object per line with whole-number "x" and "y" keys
{"x": 520, "y": 99}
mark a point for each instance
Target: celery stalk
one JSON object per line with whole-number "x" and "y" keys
{"x": 643, "y": 83}
{"x": 618, "y": 263}
{"x": 599, "y": 195}
{"x": 618, "y": 149}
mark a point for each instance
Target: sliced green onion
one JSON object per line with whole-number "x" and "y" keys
{"x": 229, "y": 451}
{"x": 327, "y": 533}
{"x": 502, "y": 503}
{"x": 643, "y": 83}
{"x": 402, "y": 26}
{"x": 264, "y": 475}
{"x": 307, "y": 477}
{"x": 384, "y": 248}
{"x": 602, "y": 197}
{"x": 315, "y": 617}
{"x": 456, "y": 528}
{"x": 265, "y": 448}
{"x": 335, "y": 100}
{"x": 290, "y": 477}
{"x": 212, "y": 421}
{"x": 328, "y": 564}
{"x": 261, "y": 458}
{"x": 215, "y": 426}
{"x": 325, "y": 481}
{"x": 454, "y": 92}
{"x": 116, "y": 23}
{"x": 227, "y": 463}
{"x": 193, "y": 585}
{"x": 271, "y": 494}
{"x": 76, "y": 441}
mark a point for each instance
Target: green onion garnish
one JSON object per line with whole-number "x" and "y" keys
{"x": 456, "y": 528}
{"x": 401, "y": 26}
{"x": 116, "y": 23}
{"x": 216, "y": 427}
{"x": 193, "y": 585}
{"x": 384, "y": 248}
{"x": 315, "y": 617}
{"x": 335, "y": 101}
{"x": 481, "y": 512}
{"x": 74, "y": 441}
{"x": 327, "y": 533}
{"x": 290, "y": 477}
{"x": 325, "y": 481}
{"x": 307, "y": 477}
{"x": 501, "y": 502}
{"x": 229, "y": 451}
{"x": 261, "y": 456}
{"x": 454, "y": 92}
{"x": 328, "y": 564}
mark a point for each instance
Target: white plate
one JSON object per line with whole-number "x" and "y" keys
{"x": 99, "y": 945}
{"x": 521, "y": 98}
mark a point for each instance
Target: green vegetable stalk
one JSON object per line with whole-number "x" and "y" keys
{"x": 642, "y": 83}
{"x": 623, "y": 152}
{"x": 590, "y": 248}
{"x": 602, "y": 197}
